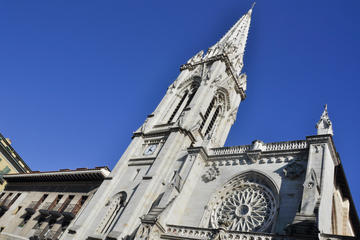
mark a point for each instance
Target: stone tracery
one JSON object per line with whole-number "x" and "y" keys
{"x": 246, "y": 203}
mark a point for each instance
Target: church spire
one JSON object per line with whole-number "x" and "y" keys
{"x": 324, "y": 125}
{"x": 232, "y": 44}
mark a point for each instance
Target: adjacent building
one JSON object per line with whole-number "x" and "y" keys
{"x": 41, "y": 205}
{"x": 10, "y": 161}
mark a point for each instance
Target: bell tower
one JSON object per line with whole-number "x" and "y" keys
{"x": 197, "y": 111}
{"x": 204, "y": 99}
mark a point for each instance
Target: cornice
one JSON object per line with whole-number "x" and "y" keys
{"x": 199, "y": 150}
{"x": 164, "y": 132}
{"x": 327, "y": 139}
{"x": 97, "y": 174}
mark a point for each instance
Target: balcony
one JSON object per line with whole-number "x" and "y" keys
{"x": 32, "y": 207}
{"x": 55, "y": 212}
{"x": 4, "y": 205}
{"x": 71, "y": 210}
{"x": 45, "y": 209}
{"x": 53, "y": 234}
{"x": 39, "y": 233}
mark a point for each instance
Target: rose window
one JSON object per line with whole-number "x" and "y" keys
{"x": 244, "y": 205}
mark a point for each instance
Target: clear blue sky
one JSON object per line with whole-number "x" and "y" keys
{"x": 78, "y": 77}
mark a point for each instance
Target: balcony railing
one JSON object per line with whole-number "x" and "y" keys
{"x": 56, "y": 210}
{"x": 59, "y": 208}
{"x": 71, "y": 210}
{"x": 53, "y": 234}
{"x": 5, "y": 204}
{"x": 40, "y": 233}
{"x": 45, "y": 209}
{"x": 32, "y": 207}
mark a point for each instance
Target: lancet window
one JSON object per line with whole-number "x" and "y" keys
{"x": 212, "y": 114}
{"x": 184, "y": 101}
{"x": 178, "y": 107}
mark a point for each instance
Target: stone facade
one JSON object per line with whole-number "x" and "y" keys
{"x": 10, "y": 161}
{"x": 42, "y": 205}
{"x": 176, "y": 180}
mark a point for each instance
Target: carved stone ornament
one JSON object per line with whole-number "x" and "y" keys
{"x": 311, "y": 180}
{"x": 143, "y": 232}
{"x": 219, "y": 235}
{"x": 293, "y": 170}
{"x": 254, "y": 155}
{"x": 324, "y": 125}
{"x": 197, "y": 58}
{"x": 244, "y": 204}
{"x": 196, "y": 126}
{"x": 211, "y": 174}
{"x": 243, "y": 81}
{"x": 180, "y": 120}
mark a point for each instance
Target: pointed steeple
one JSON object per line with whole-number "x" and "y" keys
{"x": 324, "y": 125}
{"x": 230, "y": 50}
{"x": 233, "y": 42}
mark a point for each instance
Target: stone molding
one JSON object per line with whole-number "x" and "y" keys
{"x": 188, "y": 233}
{"x": 99, "y": 174}
{"x": 185, "y": 232}
{"x": 316, "y": 139}
{"x": 244, "y": 160}
{"x": 268, "y": 147}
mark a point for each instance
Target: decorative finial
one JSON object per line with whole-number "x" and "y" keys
{"x": 324, "y": 125}
{"x": 250, "y": 10}
{"x": 253, "y": 5}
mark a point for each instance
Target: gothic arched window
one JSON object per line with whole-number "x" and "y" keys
{"x": 184, "y": 101}
{"x": 212, "y": 113}
{"x": 208, "y": 110}
{"x": 213, "y": 120}
{"x": 178, "y": 106}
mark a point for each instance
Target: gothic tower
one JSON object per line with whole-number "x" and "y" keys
{"x": 176, "y": 180}
{"x": 197, "y": 110}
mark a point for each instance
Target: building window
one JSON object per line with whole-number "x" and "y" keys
{"x": 208, "y": 110}
{"x": 5, "y": 170}
{"x": 17, "y": 210}
{"x": 184, "y": 102}
{"x": 213, "y": 120}
{"x": 178, "y": 107}
{"x": 211, "y": 115}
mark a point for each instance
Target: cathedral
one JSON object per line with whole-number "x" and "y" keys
{"x": 176, "y": 180}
